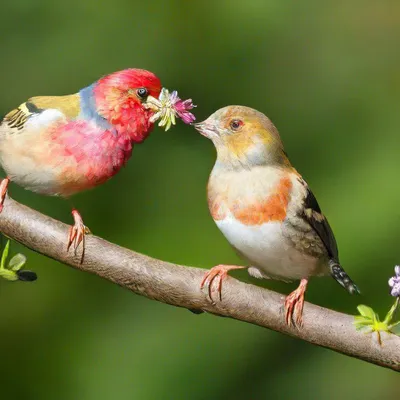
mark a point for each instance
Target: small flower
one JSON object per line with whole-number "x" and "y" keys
{"x": 394, "y": 282}
{"x": 168, "y": 106}
{"x": 182, "y": 107}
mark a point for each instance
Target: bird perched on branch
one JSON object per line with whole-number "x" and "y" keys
{"x": 265, "y": 209}
{"x": 62, "y": 145}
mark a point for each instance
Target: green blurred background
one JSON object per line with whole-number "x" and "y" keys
{"x": 326, "y": 73}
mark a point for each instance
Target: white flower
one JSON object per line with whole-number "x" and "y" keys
{"x": 394, "y": 282}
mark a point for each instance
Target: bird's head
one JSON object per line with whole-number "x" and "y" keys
{"x": 121, "y": 98}
{"x": 243, "y": 137}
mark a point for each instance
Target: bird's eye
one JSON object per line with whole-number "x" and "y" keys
{"x": 236, "y": 124}
{"x": 142, "y": 92}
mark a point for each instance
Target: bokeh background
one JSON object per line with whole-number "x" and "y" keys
{"x": 326, "y": 73}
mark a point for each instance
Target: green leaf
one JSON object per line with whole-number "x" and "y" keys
{"x": 368, "y": 312}
{"x": 360, "y": 320}
{"x": 363, "y": 323}
{"x": 5, "y": 255}
{"x": 395, "y": 324}
{"x": 17, "y": 262}
{"x": 8, "y": 275}
{"x": 391, "y": 312}
{"x": 395, "y": 328}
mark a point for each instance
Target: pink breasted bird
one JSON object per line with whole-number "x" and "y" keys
{"x": 62, "y": 145}
{"x": 265, "y": 209}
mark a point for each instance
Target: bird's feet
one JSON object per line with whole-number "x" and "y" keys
{"x": 3, "y": 191}
{"x": 217, "y": 274}
{"x": 294, "y": 304}
{"x": 77, "y": 233}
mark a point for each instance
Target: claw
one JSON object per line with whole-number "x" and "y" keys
{"x": 3, "y": 191}
{"x": 77, "y": 234}
{"x": 219, "y": 272}
{"x": 294, "y": 304}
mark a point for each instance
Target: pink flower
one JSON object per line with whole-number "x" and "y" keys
{"x": 182, "y": 108}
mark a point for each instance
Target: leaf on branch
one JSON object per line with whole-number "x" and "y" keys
{"x": 14, "y": 271}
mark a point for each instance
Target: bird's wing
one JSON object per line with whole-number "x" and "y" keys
{"x": 66, "y": 106}
{"x": 313, "y": 215}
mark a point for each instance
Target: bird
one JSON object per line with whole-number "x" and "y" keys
{"x": 62, "y": 145}
{"x": 265, "y": 209}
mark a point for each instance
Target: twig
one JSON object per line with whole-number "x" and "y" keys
{"x": 179, "y": 286}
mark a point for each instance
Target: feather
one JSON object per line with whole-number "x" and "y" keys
{"x": 16, "y": 119}
{"x": 313, "y": 215}
{"x": 68, "y": 105}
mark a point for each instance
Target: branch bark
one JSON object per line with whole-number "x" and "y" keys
{"x": 179, "y": 286}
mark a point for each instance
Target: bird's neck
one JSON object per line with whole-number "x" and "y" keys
{"x": 132, "y": 123}
{"x": 256, "y": 156}
{"x": 89, "y": 110}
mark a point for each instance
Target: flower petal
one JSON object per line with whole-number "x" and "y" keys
{"x": 187, "y": 117}
{"x": 396, "y": 290}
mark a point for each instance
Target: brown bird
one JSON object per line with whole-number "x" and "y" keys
{"x": 265, "y": 209}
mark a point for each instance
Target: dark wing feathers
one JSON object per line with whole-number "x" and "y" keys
{"x": 16, "y": 119}
{"x": 313, "y": 215}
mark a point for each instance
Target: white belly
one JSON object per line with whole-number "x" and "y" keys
{"x": 26, "y": 173}
{"x": 21, "y": 164}
{"x": 25, "y": 155}
{"x": 266, "y": 248}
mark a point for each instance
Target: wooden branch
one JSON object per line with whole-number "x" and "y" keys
{"x": 179, "y": 286}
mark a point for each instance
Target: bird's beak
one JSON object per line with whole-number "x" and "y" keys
{"x": 206, "y": 129}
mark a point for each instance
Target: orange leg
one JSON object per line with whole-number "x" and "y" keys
{"x": 3, "y": 191}
{"x": 294, "y": 303}
{"x": 219, "y": 272}
{"x": 77, "y": 233}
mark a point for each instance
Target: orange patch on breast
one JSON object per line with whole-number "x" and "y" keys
{"x": 272, "y": 209}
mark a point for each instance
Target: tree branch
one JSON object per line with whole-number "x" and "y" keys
{"x": 179, "y": 286}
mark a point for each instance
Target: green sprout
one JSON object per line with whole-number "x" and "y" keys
{"x": 368, "y": 321}
{"x": 13, "y": 271}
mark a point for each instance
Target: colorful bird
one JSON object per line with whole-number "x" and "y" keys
{"x": 265, "y": 209}
{"x": 62, "y": 145}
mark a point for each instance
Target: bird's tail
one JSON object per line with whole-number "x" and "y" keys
{"x": 340, "y": 276}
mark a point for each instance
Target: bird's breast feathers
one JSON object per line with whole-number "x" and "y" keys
{"x": 252, "y": 208}
{"x": 254, "y": 197}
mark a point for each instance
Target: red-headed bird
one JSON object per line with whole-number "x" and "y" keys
{"x": 265, "y": 209}
{"x": 62, "y": 145}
